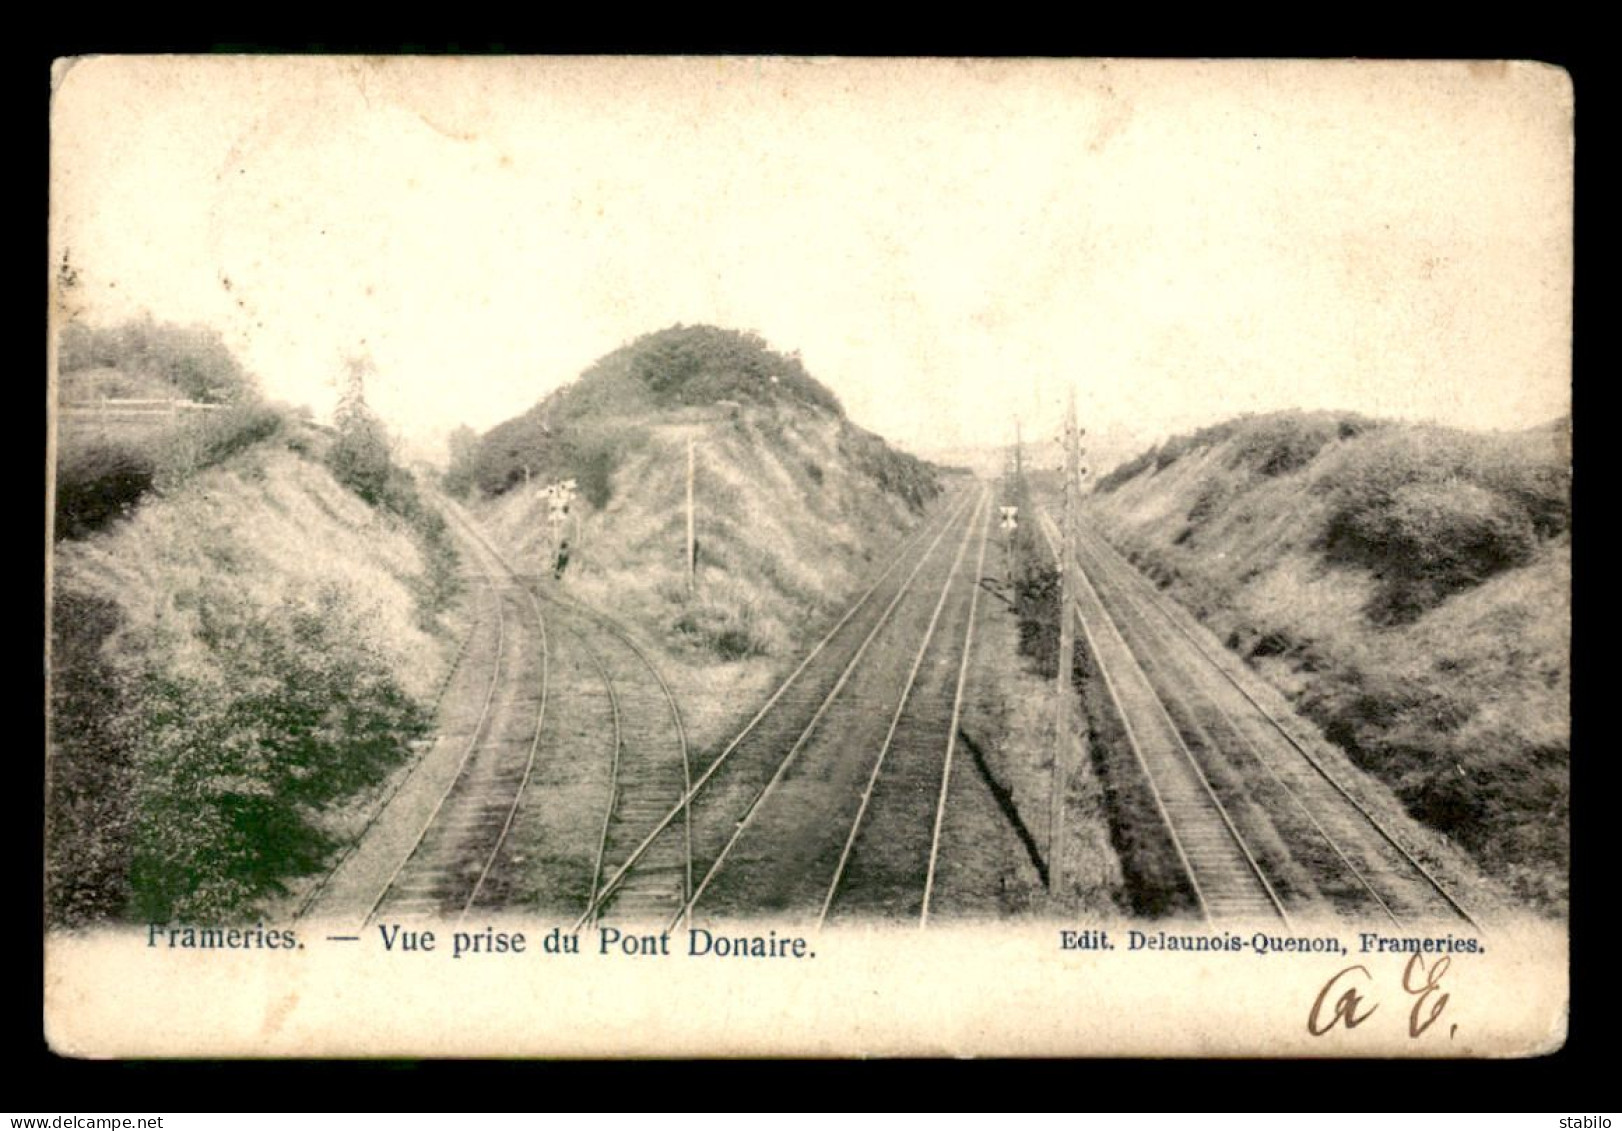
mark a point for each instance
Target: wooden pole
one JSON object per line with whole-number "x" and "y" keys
{"x": 1067, "y": 650}
{"x": 692, "y": 557}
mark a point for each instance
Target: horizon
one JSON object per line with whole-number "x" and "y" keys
{"x": 947, "y": 244}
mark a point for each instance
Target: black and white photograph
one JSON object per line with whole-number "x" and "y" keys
{"x": 818, "y": 538}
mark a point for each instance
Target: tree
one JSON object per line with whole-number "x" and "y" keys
{"x": 194, "y": 359}
{"x": 360, "y": 456}
{"x": 463, "y": 443}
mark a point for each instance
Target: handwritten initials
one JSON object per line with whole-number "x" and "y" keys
{"x": 1345, "y": 1006}
{"x": 1424, "y": 990}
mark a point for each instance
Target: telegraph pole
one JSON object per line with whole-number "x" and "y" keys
{"x": 1067, "y": 646}
{"x": 1019, "y": 458}
{"x": 692, "y": 556}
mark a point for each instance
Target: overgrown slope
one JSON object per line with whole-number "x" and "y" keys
{"x": 792, "y": 501}
{"x": 1408, "y": 586}
{"x": 234, "y": 659}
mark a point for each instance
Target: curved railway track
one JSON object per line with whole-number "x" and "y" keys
{"x": 1293, "y": 832}
{"x": 441, "y": 841}
{"x": 648, "y": 766}
{"x": 449, "y": 862}
{"x": 723, "y": 805}
{"x": 652, "y": 770}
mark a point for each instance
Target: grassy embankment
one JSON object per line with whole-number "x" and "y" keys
{"x": 242, "y": 649}
{"x": 1406, "y": 587}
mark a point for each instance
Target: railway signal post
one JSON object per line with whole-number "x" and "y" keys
{"x": 559, "y": 497}
{"x": 1009, "y": 524}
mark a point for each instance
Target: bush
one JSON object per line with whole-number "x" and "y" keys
{"x": 684, "y": 365}
{"x": 594, "y": 469}
{"x": 441, "y": 580}
{"x": 230, "y": 773}
{"x": 89, "y": 813}
{"x": 583, "y": 429}
{"x": 1426, "y": 541}
{"x": 98, "y": 482}
{"x": 1277, "y": 445}
{"x": 461, "y": 476}
{"x": 359, "y": 457}
{"x": 101, "y": 479}
{"x": 1271, "y": 445}
{"x": 1131, "y": 469}
{"x": 205, "y": 439}
{"x": 728, "y": 629}
{"x": 896, "y": 473}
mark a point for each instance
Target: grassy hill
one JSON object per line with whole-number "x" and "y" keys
{"x": 792, "y": 500}
{"x": 241, "y": 648}
{"x": 1407, "y": 586}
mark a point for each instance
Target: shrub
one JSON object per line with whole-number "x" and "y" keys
{"x": 359, "y": 457}
{"x": 231, "y": 772}
{"x": 100, "y": 479}
{"x": 897, "y": 473}
{"x": 1209, "y": 502}
{"x": 461, "y": 476}
{"x": 594, "y": 468}
{"x": 98, "y": 482}
{"x": 583, "y": 429}
{"x": 728, "y": 629}
{"x": 1132, "y": 468}
{"x": 704, "y": 364}
{"x": 89, "y": 814}
{"x": 441, "y": 580}
{"x": 1427, "y": 541}
{"x": 1277, "y": 445}
{"x": 205, "y": 439}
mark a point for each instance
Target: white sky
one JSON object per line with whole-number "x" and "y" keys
{"x": 946, "y": 243}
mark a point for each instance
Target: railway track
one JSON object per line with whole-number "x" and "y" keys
{"x": 1227, "y": 879}
{"x": 1359, "y": 863}
{"x": 446, "y": 868}
{"x": 1269, "y": 828}
{"x": 888, "y": 864}
{"x": 646, "y": 768}
{"x": 474, "y": 643}
{"x": 750, "y": 808}
{"x": 651, "y": 771}
{"x": 581, "y": 710}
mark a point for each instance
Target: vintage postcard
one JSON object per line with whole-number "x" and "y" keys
{"x": 650, "y": 557}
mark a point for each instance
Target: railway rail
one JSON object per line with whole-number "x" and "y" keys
{"x": 652, "y": 769}
{"x": 1227, "y": 879}
{"x": 319, "y": 889}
